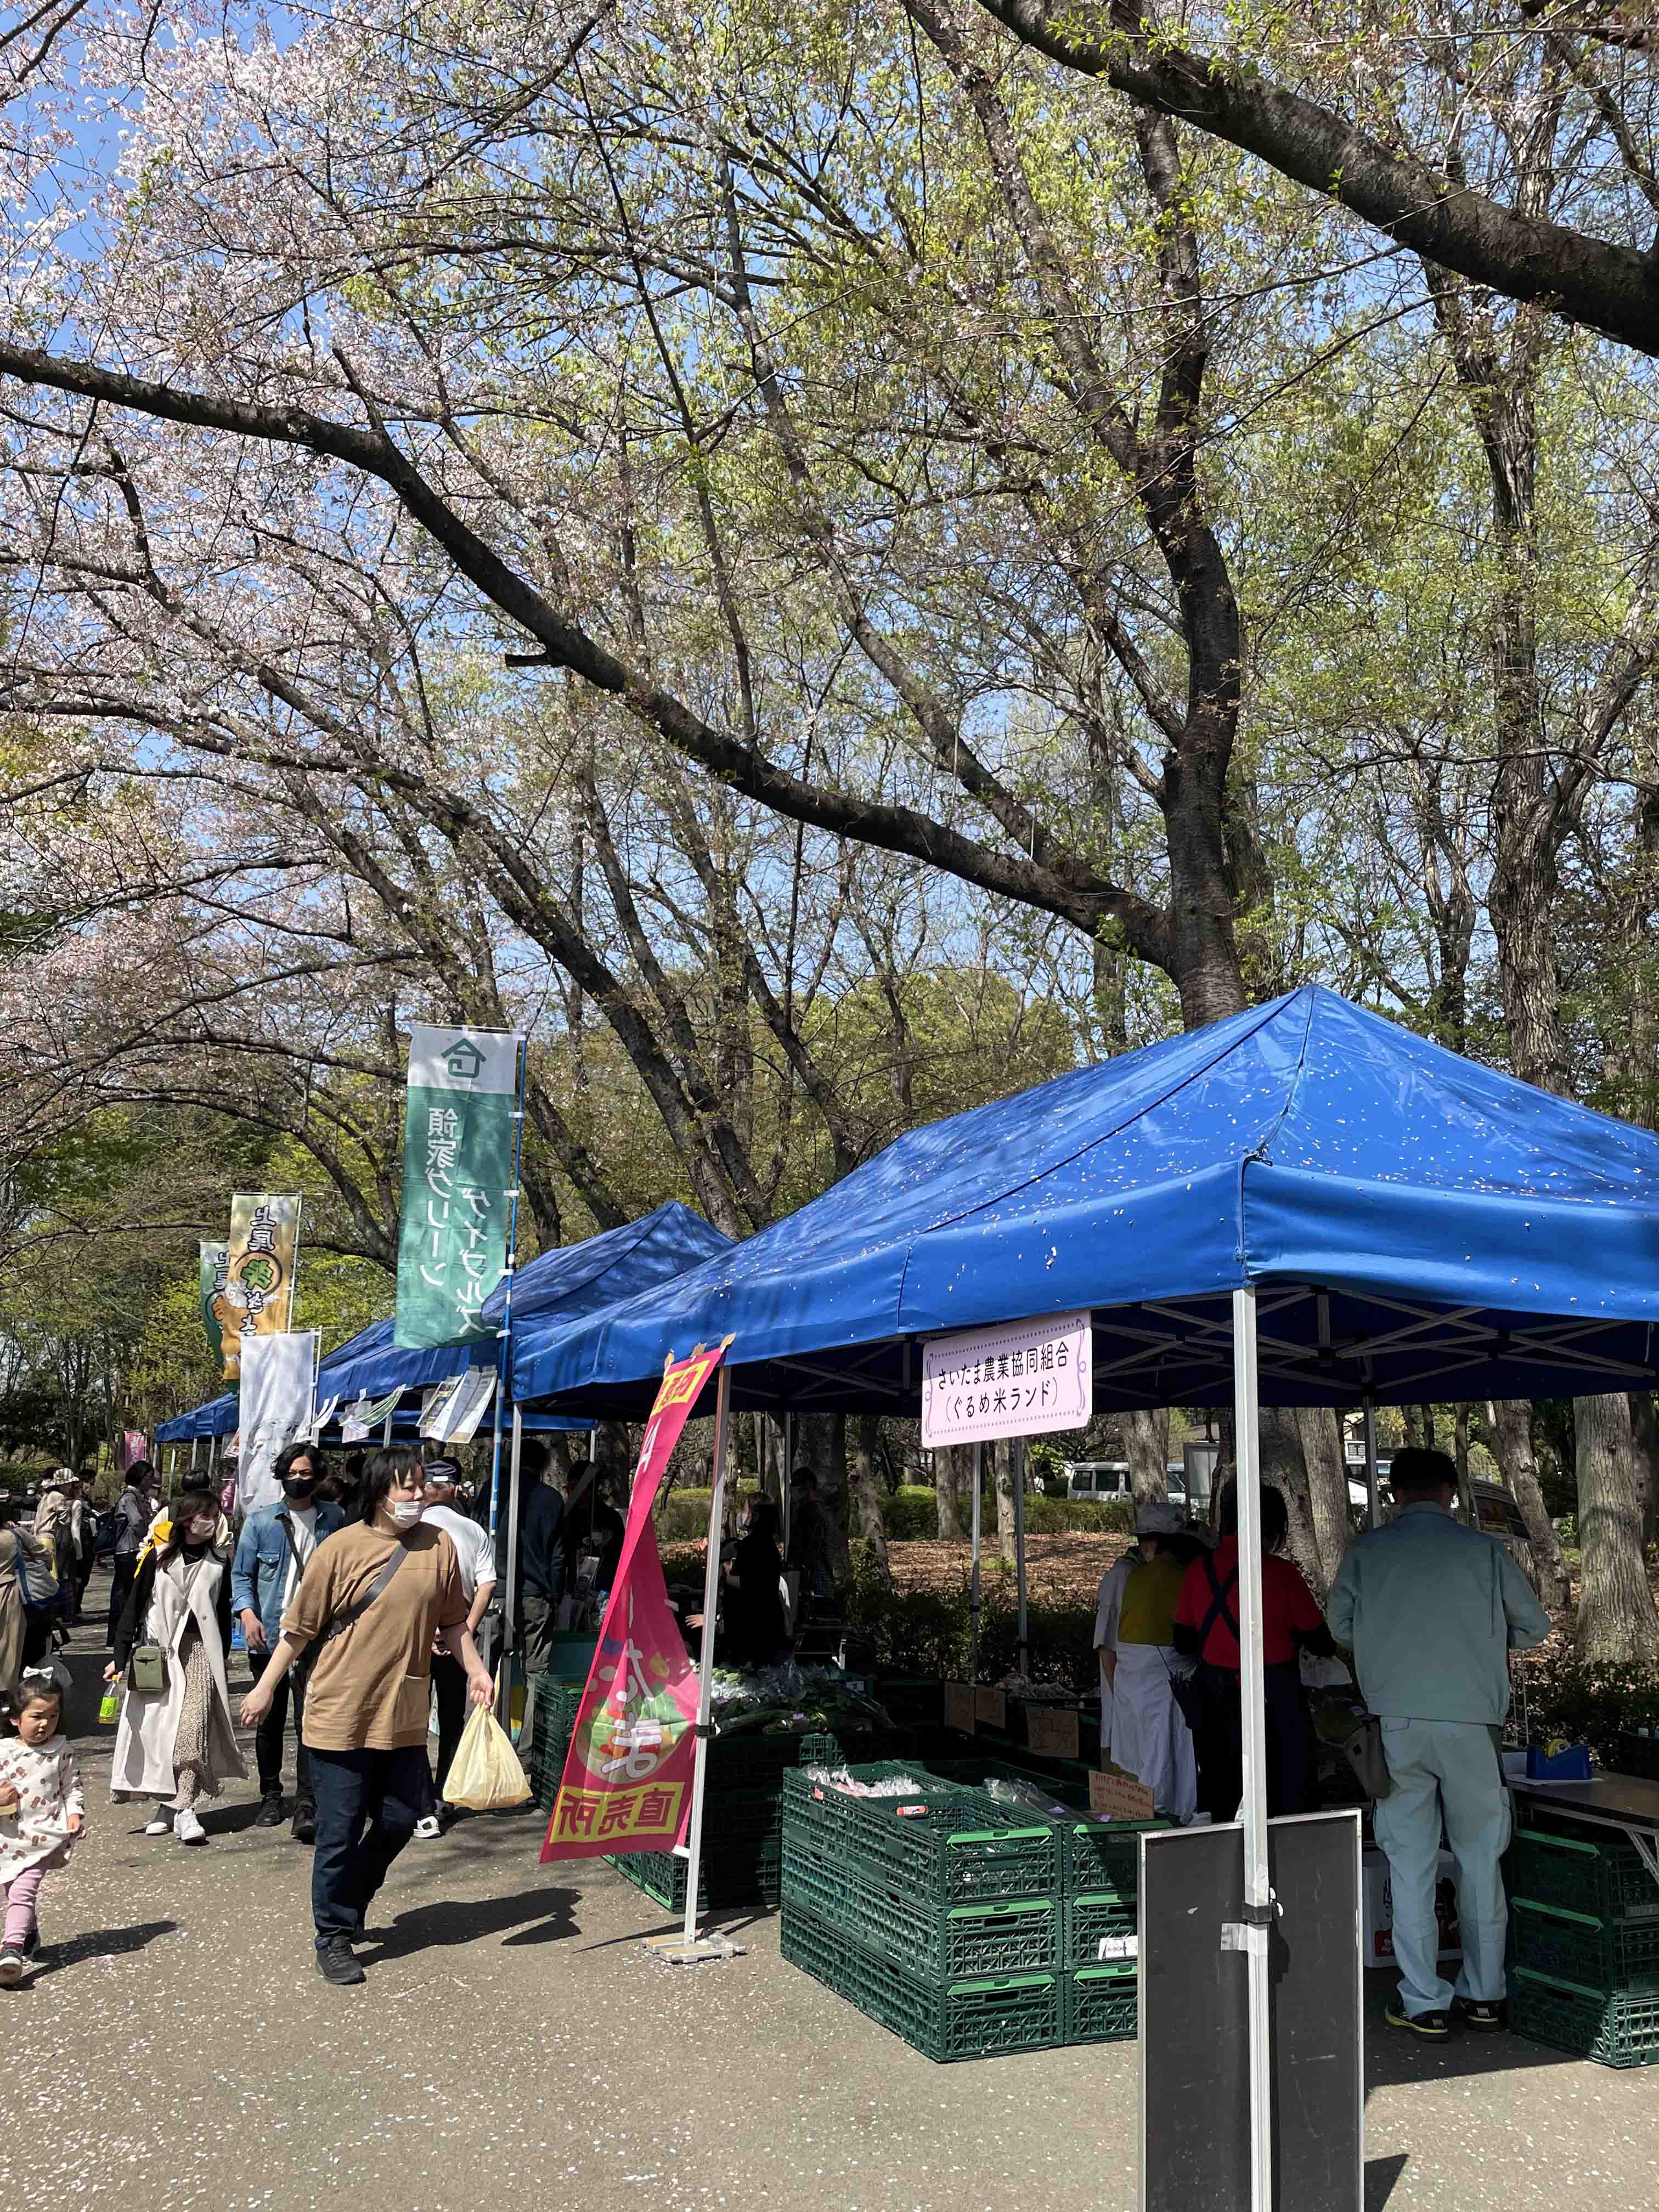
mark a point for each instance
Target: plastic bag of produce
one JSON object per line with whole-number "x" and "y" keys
{"x": 486, "y": 1776}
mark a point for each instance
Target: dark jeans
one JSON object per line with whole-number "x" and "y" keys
{"x": 268, "y": 1737}
{"x": 449, "y": 1686}
{"x": 1218, "y": 1743}
{"x": 538, "y": 1620}
{"x": 367, "y": 1803}
{"x": 123, "y": 1572}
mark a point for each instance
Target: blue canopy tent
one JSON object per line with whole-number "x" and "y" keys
{"x": 217, "y": 1418}
{"x": 1415, "y": 1226}
{"x": 1303, "y": 1203}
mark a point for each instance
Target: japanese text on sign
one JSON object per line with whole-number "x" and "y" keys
{"x": 1023, "y": 1378}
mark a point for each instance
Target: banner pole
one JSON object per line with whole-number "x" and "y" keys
{"x": 504, "y": 1344}
{"x": 172, "y": 1461}
{"x": 1373, "y": 1497}
{"x": 711, "y": 1593}
{"x": 510, "y": 1600}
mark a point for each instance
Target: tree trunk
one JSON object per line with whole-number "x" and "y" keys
{"x": 1321, "y": 1433}
{"x": 944, "y": 1495}
{"x": 1512, "y": 1434}
{"x": 866, "y": 1489}
{"x": 1002, "y": 1469}
{"x": 1645, "y": 1433}
{"x": 1146, "y": 1437}
{"x": 1284, "y": 1469}
{"x": 1616, "y": 1622}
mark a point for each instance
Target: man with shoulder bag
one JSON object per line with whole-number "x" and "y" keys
{"x": 275, "y": 1547}
{"x": 1431, "y": 1610}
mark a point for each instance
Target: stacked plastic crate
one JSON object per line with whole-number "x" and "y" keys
{"x": 1584, "y": 1943}
{"x": 935, "y": 1911}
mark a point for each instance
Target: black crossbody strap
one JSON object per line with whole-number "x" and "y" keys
{"x": 340, "y": 1624}
{"x": 1218, "y": 1607}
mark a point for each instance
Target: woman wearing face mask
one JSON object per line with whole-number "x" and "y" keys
{"x": 369, "y": 1605}
{"x": 176, "y": 1743}
{"x": 273, "y": 1553}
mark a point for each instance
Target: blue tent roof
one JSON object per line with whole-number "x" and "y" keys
{"x": 1420, "y": 1228}
{"x": 570, "y": 1286}
{"x": 554, "y": 1289}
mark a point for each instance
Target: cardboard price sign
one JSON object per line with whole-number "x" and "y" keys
{"x": 1120, "y": 1796}
{"x": 959, "y": 1707}
{"x": 991, "y": 1708}
{"x": 1052, "y": 1730}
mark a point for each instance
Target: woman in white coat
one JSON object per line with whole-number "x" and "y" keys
{"x": 177, "y": 1745}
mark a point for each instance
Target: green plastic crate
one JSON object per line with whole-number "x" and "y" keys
{"x": 1001, "y": 1936}
{"x": 1613, "y": 2031}
{"x": 1099, "y": 1858}
{"x": 978, "y": 2017}
{"x": 1564, "y": 1868}
{"x": 947, "y": 1846}
{"x": 1102, "y": 2004}
{"x": 1620, "y": 1957}
{"x": 1106, "y": 1916}
{"x": 552, "y": 1724}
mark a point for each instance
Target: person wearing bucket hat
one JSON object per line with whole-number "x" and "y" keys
{"x": 1150, "y": 1736}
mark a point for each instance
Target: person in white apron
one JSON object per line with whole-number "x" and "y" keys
{"x": 178, "y": 1744}
{"x": 1108, "y": 1607}
{"x": 1150, "y": 1736}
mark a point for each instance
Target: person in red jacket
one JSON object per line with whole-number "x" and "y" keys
{"x": 1206, "y": 1630}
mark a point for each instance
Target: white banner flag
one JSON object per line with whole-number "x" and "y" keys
{"x": 454, "y": 1408}
{"x": 1022, "y": 1378}
{"x": 366, "y": 1420}
{"x": 278, "y": 1385}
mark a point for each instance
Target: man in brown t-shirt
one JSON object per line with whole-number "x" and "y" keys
{"x": 368, "y": 1608}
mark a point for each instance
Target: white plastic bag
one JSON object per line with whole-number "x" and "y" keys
{"x": 486, "y": 1776}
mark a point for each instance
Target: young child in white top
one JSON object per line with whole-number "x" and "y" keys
{"x": 43, "y": 1812}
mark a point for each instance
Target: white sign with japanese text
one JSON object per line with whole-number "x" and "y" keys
{"x": 454, "y": 1408}
{"x": 1022, "y": 1378}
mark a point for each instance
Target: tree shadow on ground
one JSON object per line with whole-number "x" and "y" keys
{"x": 100, "y": 1943}
{"x": 536, "y": 1916}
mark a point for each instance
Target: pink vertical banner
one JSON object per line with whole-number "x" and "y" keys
{"x": 133, "y": 1447}
{"x": 627, "y": 1784}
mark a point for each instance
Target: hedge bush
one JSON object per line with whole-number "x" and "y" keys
{"x": 1583, "y": 1703}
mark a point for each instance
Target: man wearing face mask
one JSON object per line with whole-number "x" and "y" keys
{"x": 275, "y": 1547}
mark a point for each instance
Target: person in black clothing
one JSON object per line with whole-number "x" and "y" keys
{"x": 539, "y": 1583}
{"x": 755, "y": 1631}
{"x": 592, "y": 1526}
{"x": 133, "y": 1509}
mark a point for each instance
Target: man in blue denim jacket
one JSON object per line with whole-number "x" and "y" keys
{"x": 270, "y": 1558}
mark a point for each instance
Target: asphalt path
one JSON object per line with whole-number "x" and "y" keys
{"x": 515, "y": 2043}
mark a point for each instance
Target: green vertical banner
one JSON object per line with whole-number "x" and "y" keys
{"x": 458, "y": 1173}
{"x": 213, "y": 1274}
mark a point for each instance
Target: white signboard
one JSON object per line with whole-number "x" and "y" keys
{"x": 453, "y": 1410}
{"x": 1023, "y": 1378}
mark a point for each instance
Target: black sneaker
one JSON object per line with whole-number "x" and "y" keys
{"x": 1477, "y": 2013}
{"x": 336, "y": 1962}
{"x": 305, "y": 1823}
{"x": 1430, "y": 2027}
{"x": 270, "y": 1814}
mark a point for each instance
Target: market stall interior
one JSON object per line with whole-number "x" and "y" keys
{"x": 1302, "y": 1205}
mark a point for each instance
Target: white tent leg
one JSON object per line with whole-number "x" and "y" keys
{"x": 711, "y": 1593}
{"x": 973, "y": 1600}
{"x": 172, "y": 1461}
{"x": 1016, "y": 1456}
{"x": 1373, "y": 1501}
{"x": 788, "y": 1484}
{"x": 510, "y": 1597}
{"x": 1258, "y": 1896}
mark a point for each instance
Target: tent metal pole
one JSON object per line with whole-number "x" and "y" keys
{"x": 510, "y": 1599}
{"x": 787, "y": 1485}
{"x": 711, "y": 1597}
{"x": 1017, "y": 1455}
{"x": 172, "y": 1461}
{"x": 1373, "y": 1501}
{"x": 973, "y": 1598}
{"x": 1258, "y": 1895}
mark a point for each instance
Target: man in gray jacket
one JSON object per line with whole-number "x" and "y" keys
{"x": 1431, "y": 1611}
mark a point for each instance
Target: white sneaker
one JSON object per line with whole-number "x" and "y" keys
{"x": 429, "y": 1828}
{"x": 162, "y": 1823}
{"x": 187, "y": 1828}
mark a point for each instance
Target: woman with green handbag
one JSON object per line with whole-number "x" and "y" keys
{"x": 176, "y": 1741}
